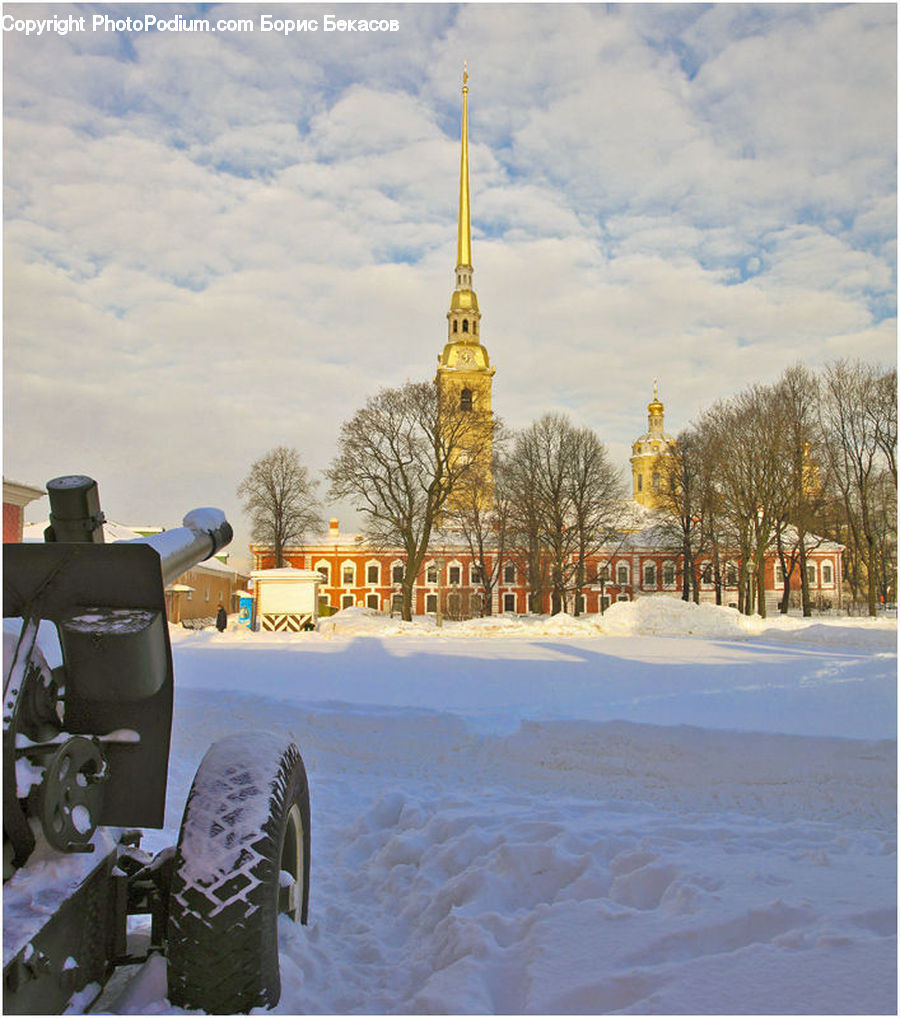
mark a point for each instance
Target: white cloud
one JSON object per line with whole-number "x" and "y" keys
{"x": 216, "y": 244}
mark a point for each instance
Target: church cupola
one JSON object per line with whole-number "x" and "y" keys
{"x": 647, "y": 468}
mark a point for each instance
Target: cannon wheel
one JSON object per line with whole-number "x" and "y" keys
{"x": 242, "y": 859}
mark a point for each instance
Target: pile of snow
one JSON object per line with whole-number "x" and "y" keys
{"x": 670, "y": 616}
{"x": 646, "y": 616}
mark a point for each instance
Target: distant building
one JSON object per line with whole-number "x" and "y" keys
{"x": 15, "y": 497}
{"x": 642, "y": 563}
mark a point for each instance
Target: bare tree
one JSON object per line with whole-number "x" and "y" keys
{"x": 681, "y": 495}
{"x": 796, "y": 402}
{"x": 567, "y": 498}
{"x": 744, "y": 437}
{"x": 401, "y": 457}
{"x": 481, "y": 514}
{"x": 280, "y": 499}
{"x": 855, "y": 438}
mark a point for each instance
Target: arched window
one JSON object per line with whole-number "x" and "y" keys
{"x": 655, "y": 481}
{"x": 640, "y": 482}
{"x": 649, "y": 575}
{"x": 455, "y": 324}
{"x": 465, "y": 325}
{"x": 622, "y": 574}
{"x": 465, "y": 399}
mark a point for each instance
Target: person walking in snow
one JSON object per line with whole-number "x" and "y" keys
{"x": 221, "y": 619}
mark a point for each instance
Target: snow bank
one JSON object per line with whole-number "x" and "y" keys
{"x": 671, "y": 616}
{"x": 646, "y": 616}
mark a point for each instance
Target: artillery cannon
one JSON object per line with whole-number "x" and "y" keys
{"x": 85, "y": 759}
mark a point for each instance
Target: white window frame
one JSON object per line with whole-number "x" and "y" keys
{"x": 455, "y": 564}
{"x": 670, "y": 584}
{"x": 507, "y": 566}
{"x": 431, "y": 604}
{"x": 369, "y": 598}
{"x": 506, "y": 600}
{"x": 619, "y": 581}
{"x": 324, "y": 569}
{"x": 351, "y": 565}
{"x": 432, "y": 568}
{"x": 623, "y": 597}
{"x": 373, "y": 564}
{"x": 829, "y": 565}
{"x": 347, "y": 601}
{"x": 475, "y": 568}
{"x": 397, "y": 564}
{"x": 645, "y": 566}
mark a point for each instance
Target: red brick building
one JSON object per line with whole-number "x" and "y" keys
{"x": 15, "y": 497}
{"x": 355, "y": 574}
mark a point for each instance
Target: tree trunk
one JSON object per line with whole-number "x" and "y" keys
{"x": 804, "y": 579}
{"x": 406, "y": 592}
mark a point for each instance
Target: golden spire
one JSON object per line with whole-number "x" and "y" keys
{"x": 464, "y": 241}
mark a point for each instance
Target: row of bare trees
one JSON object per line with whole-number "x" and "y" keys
{"x": 557, "y": 502}
{"x": 411, "y": 467}
{"x": 783, "y": 467}
{"x": 780, "y": 466}
{"x": 414, "y": 467}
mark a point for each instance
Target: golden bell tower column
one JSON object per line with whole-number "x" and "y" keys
{"x": 464, "y": 370}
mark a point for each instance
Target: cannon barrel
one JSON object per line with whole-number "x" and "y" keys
{"x": 202, "y": 534}
{"x": 75, "y": 516}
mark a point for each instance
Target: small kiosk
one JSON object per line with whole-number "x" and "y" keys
{"x": 286, "y": 599}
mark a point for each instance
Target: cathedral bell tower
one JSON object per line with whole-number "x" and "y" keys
{"x": 464, "y": 370}
{"x": 647, "y": 467}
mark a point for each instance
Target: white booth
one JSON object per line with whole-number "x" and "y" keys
{"x": 286, "y": 600}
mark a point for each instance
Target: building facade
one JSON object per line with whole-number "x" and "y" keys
{"x": 642, "y": 564}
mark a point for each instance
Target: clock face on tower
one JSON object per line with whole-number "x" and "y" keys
{"x": 465, "y": 359}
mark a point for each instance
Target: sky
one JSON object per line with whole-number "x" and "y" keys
{"x": 217, "y": 243}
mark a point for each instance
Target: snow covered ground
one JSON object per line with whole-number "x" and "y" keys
{"x": 670, "y": 810}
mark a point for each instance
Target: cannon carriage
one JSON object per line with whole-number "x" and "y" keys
{"x": 85, "y": 762}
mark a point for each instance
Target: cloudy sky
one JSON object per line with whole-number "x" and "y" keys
{"x": 219, "y": 243}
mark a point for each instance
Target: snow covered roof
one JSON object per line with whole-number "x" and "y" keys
{"x": 112, "y": 532}
{"x": 286, "y": 573}
{"x": 18, "y": 493}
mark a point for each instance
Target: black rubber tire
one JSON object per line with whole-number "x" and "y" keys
{"x": 246, "y": 818}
